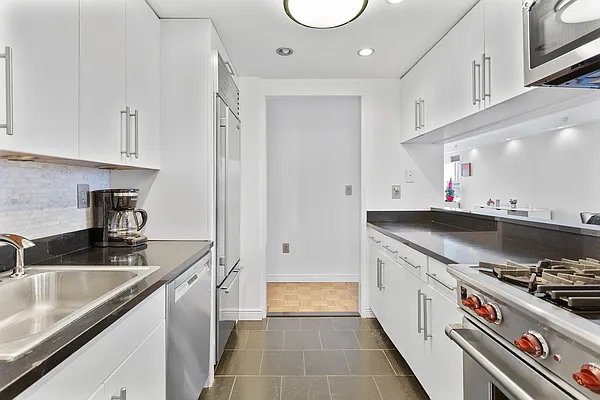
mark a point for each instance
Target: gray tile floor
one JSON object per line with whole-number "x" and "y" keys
{"x": 312, "y": 359}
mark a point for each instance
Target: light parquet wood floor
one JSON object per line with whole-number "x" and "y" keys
{"x": 312, "y": 297}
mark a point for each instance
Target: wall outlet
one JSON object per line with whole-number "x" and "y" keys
{"x": 348, "y": 190}
{"x": 286, "y": 248}
{"x": 83, "y": 196}
{"x": 410, "y": 176}
{"x": 396, "y": 192}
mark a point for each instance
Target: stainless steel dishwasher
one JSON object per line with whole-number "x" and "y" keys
{"x": 188, "y": 331}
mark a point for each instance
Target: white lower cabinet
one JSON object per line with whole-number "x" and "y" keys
{"x": 375, "y": 295}
{"x": 142, "y": 376}
{"x": 414, "y": 313}
{"x": 129, "y": 355}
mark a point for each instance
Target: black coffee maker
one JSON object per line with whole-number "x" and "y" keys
{"x": 117, "y": 221}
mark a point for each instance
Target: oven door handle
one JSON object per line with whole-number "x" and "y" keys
{"x": 510, "y": 373}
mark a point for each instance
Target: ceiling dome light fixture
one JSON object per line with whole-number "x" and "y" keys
{"x": 324, "y": 14}
{"x": 365, "y": 52}
{"x": 284, "y": 51}
{"x": 577, "y": 11}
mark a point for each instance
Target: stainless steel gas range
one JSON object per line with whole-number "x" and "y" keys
{"x": 529, "y": 332}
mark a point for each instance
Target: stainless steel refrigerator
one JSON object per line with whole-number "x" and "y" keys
{"x": 229, "y": 268}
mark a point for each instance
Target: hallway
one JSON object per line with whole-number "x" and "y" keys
{"x": 312, "y": 359}
{"x": 293, "y": 298}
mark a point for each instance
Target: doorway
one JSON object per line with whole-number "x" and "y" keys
{"x": 313, "y": 204}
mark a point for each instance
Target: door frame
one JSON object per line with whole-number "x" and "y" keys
{"x": 328, "y": 88}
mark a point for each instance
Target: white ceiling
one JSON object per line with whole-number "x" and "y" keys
{"x": 251, "y": 30}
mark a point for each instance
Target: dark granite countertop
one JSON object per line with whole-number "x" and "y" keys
{"x": 172, "y": 256}
{"x": 453, "y": 245}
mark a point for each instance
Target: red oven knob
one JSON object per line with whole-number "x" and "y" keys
{"x": 589, "y": 377}
{"x": 534, "y": 344}
{"x": 490, "y": 312}
{"x": 473, "y": 302}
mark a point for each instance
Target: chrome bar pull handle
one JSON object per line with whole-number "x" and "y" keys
{"x": 422, "y": 113}
{"x": 435, "y": 278}
{"x": 476, "y": 69}
{"x": 382, "y": 276}
{"x": 122, "y": 395}
{"x": 127, "y": 113}
{"x": 136, "y": 116}
{"x": 426, "y": 334}
{"x": 486, "y": 78}
{"x": 419, "y": 311}
{"x": 8, "y": 65}
{"x": 378, "y": 274}
{"x": 417, "y": 112}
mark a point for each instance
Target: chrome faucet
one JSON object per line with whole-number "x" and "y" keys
{"x": 20, "y": 244}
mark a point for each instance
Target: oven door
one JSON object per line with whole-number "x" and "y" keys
{"x": 492, "y": 372}
{"x": 559, "y": 34}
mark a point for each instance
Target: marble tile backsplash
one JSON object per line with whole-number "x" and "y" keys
{"x": 39, "y": 200}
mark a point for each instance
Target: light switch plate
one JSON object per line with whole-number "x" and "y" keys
{"x": 348, "y": 190}
{"x": 396, "y": 192}
{"x": 286, "y": 248}
{"x": 83, "y": 196}
{"x": 410, "y": 176}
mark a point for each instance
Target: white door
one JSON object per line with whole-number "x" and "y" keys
{"x": 463, "y": 50}
{"x": 43, "y": 37}
{"x": 143, "y": 82}
{"x": 143, "y": 373}
{"x": 102, "y": 80}
{"x": 443, "y": 377}
{"x": 504, "y": 47}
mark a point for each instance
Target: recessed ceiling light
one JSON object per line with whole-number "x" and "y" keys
{"x": 394, "y": 1}
{"x": 324, "y": 14}
{"x": 365, "y": 52}
{"x": 284, "y": 51}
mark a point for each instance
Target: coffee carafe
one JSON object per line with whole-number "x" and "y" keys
{"x": 117, "y": 221}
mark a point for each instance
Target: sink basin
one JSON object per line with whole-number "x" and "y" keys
{"x": 49, "y": 298}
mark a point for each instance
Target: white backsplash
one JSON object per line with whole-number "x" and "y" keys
{"x": 38, "y": 200}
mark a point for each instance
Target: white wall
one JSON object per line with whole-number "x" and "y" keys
{"x": 556, "y": 169}
{"x": 384, "y": 160}
{"x": 39, "y": 200}
{"x": 313, "y": 151}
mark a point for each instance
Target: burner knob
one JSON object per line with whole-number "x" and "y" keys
{"x": 534, "y": 344}
{"x": 473, "y": 302}
{"x": 490, "y": 312}
{"x": 589, "y": 377}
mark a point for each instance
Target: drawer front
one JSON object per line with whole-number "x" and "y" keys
{"x": 439, "y": 279}
{"x": 82, "y": 373}
{"x": 414, "y": 261}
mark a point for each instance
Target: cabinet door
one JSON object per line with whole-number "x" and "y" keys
{"x": 408, "y": 108}
{"x": 461, "y": 47}
{"x": 43, "y": 36}
{"x": 504, "y": 47}
{"x": 143, "y": 373}
{"x": 143, "y": 82}
{"x": 102, "y": 80}
{"x": 373, "y": 258}
{"x": 443, "y": 377}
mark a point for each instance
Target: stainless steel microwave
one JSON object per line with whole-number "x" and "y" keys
{"x": 562, "y": 43}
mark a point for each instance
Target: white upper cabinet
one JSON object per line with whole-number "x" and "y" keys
{"x": 463, "y": 50}
{"x": 102, "y": 80}
{"x": 143, "y": 83}
{"x": 504, "y": 49}
{"x": 120, "y": 72}
{"x": 43, "y": 38}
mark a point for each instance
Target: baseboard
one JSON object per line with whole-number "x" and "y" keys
{"x": 368, "y": 313}
{"x": 251, "y": 315}
{"x": 312, "y": 278}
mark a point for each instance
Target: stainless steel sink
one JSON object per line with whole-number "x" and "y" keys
{"x": 49, "y": 298}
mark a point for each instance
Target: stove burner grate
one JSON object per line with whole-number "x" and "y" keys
{"x": 574, "y": 285}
